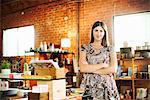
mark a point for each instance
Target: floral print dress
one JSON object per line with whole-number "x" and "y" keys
{"x": 100, "y": 87}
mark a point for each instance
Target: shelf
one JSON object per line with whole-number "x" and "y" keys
{"x": 132, "y": 79}
{"x": 38, "y": 79}
{"x": 55, "y": 52}
{"x": 134, "y": 62}
{"x": 123, "y": 78}
{"x": 68, "y": 86}
{"x": 135, "y": 58}
{"x": 142, "y": 79}
{"x": 22, "y": 90}
{"x": 142, "y": 50}
{"x": 126, "y": 59}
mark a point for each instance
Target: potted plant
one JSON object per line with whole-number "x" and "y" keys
{"x": 5, "y": 67}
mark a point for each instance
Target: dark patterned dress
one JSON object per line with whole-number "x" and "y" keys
{"x": 100, "y": 87}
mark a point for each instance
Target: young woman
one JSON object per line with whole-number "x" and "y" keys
{"x": 97, "y": 63}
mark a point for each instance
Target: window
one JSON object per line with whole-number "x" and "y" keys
{"x": 133, "y": 29}
{"x": 18, "y": 40}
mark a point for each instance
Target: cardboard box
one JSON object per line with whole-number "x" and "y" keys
{"x": 56, "y": 88}
{"x": 55, "y": 73}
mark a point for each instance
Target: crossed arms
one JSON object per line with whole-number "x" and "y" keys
{"x": 98, "y": 68}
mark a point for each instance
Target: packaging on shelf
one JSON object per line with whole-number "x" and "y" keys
{"x": 4, "y": 85}
{"x": 40, "y": 89}
{"x": 41, "y": 46}
{"x": 45, "y": 47}
{"x": 141, "y": 93}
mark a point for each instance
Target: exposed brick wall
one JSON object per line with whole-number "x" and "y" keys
{"x": 49, "y": 21}
{"x": 51, "y": 26}
{"x": 104, "y": 10}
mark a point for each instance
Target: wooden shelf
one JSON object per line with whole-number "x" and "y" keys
{"x": 68, "y": 86}
{"x": 135, "y": 58}
{"x": 142, "y": 79}
{"x": 132, "y": 79}
{"x": 17, "y": 89}
{"x": 137, "y": 62}
{"x": 37, "y": 79}
{"x": 56, "y": 52}
{"x": 123, "y": 78}
{"x": 142, "y": 50}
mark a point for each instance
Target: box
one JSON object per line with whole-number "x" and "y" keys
{"x": 56, "y": 88}
{"x": 4, "y": 85}
{"x": 126, "y": 52}
{"x": 40, "y": 89}
{"x": 55, "y": 73}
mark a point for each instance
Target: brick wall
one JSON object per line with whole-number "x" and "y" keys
{"x": 57, "y": 20}
{"x": 52, "y": 22}
{"x": 104, "y": 10}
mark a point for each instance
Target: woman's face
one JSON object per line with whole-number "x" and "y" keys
{"x": 98, "y": 33}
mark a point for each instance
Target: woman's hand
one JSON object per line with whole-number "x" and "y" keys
{"x": 104, "y": 66}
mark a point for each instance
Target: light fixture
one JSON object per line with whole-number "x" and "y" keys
{"x": 65, "y": 43}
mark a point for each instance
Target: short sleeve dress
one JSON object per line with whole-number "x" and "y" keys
{"x": 100, "y": 87}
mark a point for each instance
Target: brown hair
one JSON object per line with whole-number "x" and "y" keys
{"x": 105, "y": 38}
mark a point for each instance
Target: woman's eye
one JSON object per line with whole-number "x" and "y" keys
{"x": 96, "y": 30}
{"x": 101, "y": 30}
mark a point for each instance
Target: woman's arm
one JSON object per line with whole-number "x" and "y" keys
{"x": 112, "y": 65}
{"x": 88, "y": 68}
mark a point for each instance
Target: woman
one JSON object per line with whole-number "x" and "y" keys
{"x": 97, "y": 62}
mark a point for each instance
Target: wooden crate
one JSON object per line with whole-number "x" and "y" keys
{"x": 55, "y": 73}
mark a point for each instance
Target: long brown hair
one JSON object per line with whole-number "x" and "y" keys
{"x": 104, "y": 42}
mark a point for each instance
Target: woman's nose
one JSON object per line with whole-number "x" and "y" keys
{"x": 99, "y": 33}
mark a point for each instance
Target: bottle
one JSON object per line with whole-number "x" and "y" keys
{"x": 52, "y": 47}
{"x": 45, "y": 47}
{"x": 26, "y": 67}
{"x": 48, "y": 46}
{"x": 41, "y": 46}
{"x": 75, "y": 81}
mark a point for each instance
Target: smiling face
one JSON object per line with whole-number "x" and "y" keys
{"x": 98, "y": 33}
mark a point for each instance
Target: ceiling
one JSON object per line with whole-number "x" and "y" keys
{"x": 12, "y": 6}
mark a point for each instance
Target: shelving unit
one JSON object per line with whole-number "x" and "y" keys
{"x": 56, "y": 87}
{"x": 133, "y": 81}
{"x": 56, "y": 90}
{"x": 127, "y": 79}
